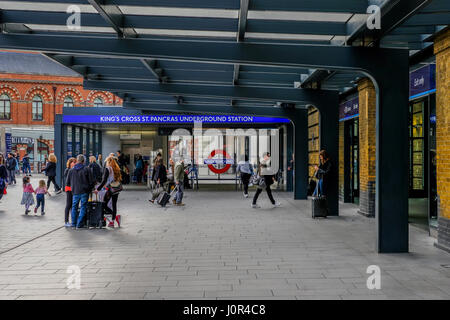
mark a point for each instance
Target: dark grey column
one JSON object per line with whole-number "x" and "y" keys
{"x": 60, "y": 145}
{"x": 289, "y": 153}
{"x": 329, "y": 141}
{"x": 301, "y": 154}
{"x": 392, "y": 155}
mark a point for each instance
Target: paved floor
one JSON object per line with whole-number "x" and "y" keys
{"x": 216, "y": 247}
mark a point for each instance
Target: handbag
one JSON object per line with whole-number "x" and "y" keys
{"x": 156, "y": 192}
{"x": 115, "y": 187}
{"x": 258, "y": 181}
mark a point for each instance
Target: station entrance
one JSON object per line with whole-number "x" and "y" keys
{"x": 211, "y": 149}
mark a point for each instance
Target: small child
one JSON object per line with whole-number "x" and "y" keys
{"x": 27, "y": 197}
{"x": 40, "y": 192}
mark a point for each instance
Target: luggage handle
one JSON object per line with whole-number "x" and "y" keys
{"x": 96, "y": 196}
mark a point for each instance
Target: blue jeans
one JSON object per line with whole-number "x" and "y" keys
{"x": 179, "y": 194}
{"x": 319, "y": 189}
{"x": 40, "y": 199}
{"x": 26, "y": 169}
{"x": 75, "y": 202}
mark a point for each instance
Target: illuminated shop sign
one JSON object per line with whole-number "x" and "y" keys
{"x": 422, "y": 81}
{"x": 349, "y": 109}
{"x": 173, "y": 119}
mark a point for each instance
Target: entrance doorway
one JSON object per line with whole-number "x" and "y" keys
{"x": 352, "y": 160}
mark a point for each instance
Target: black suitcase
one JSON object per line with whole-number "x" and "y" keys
{"x": 95, "y": 214}
{"x": 319, "y": 207}
{"x": 164, "y": 197}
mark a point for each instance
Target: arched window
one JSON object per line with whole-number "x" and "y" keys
{"x": 5, "y": 107}
{"x": 68, "y": 101}
{"x": 98, "y": 102}
{"x": 37, "y": 108}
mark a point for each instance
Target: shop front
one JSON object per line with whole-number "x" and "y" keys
{"x": 422, "y": 128}
{"x": 348, "y": 118}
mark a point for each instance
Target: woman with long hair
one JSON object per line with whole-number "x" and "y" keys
{"x": 50, "y": 172}
{"x": 111, "y": 174}
{"x": 69, "y": 195}
{"x": 323, "y": 174}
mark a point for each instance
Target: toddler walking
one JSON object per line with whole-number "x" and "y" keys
{"x": 27, "y": 197}
{"x": 40, "y": 192}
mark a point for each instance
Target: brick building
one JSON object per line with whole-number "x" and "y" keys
{"x": 33, "y": 89}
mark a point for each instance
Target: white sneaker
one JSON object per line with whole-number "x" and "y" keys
{"x": 245, "y": 195}
{"x": 277, "y": 204}
{"x": 255, "y": 206}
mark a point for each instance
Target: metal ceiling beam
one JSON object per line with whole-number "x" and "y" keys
{"x": 315, "y": 78}
{"x": 130, "y": 22}
{"x": 214, "y": 91}
{"x": 114, "y": 17}
{"x": 211, "y": 109}
{"x": 158, "y": 73}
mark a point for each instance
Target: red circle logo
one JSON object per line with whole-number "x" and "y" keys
{"x": 225, "y": 155}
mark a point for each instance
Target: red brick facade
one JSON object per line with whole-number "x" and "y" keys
{"x": 22, "y": 88}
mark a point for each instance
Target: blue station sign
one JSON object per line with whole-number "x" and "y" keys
{"x": 169, "y": 119}
{"x": 422, "y": 81}
{"x": 349, "y": 109}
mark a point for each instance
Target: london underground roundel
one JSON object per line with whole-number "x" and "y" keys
{"x": 226, "y": 160}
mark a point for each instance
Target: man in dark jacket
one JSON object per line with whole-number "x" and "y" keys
{"x": 11, "y": 163}
{"x": 82, "y": 182}
{"x": 26, "y": 168}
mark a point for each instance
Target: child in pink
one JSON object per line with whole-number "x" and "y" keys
{"x": 40, "y": 192}
{"x": 27, "y": 197}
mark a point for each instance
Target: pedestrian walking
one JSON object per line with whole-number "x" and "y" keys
{"x": 50, "y": 172}
{"x": 265, "y": 173}
{"x": 111, "y": 181}
{"x": 179, "y": 181}
{"x": 11, "y": 163}
{"x": 82, "y": 182}
{"x": 40, "y": 192}
{"x": 26, "y": 168}
{"x": 27, "y": 196}
{"x": 3, "y": 177}
{"x": 161, "y": 179}
{"x": 139, "y": 171}
{"x": 246, "y": 171}
{"x": 69, "y": 195}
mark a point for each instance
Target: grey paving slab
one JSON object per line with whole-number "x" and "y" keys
{"x": 214, "y": 248}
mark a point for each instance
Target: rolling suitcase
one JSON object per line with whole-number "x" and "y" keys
{"x": 319, "y": 207}
{"x": 95, "y": 214}
{"x": 164, "y": 197}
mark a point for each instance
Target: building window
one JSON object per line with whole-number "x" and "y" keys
{"x": 68, "y": 101}
{"x": 98, "y": 102}
{"x": 5, "y": 107}
{"x": 37, "y": 108}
